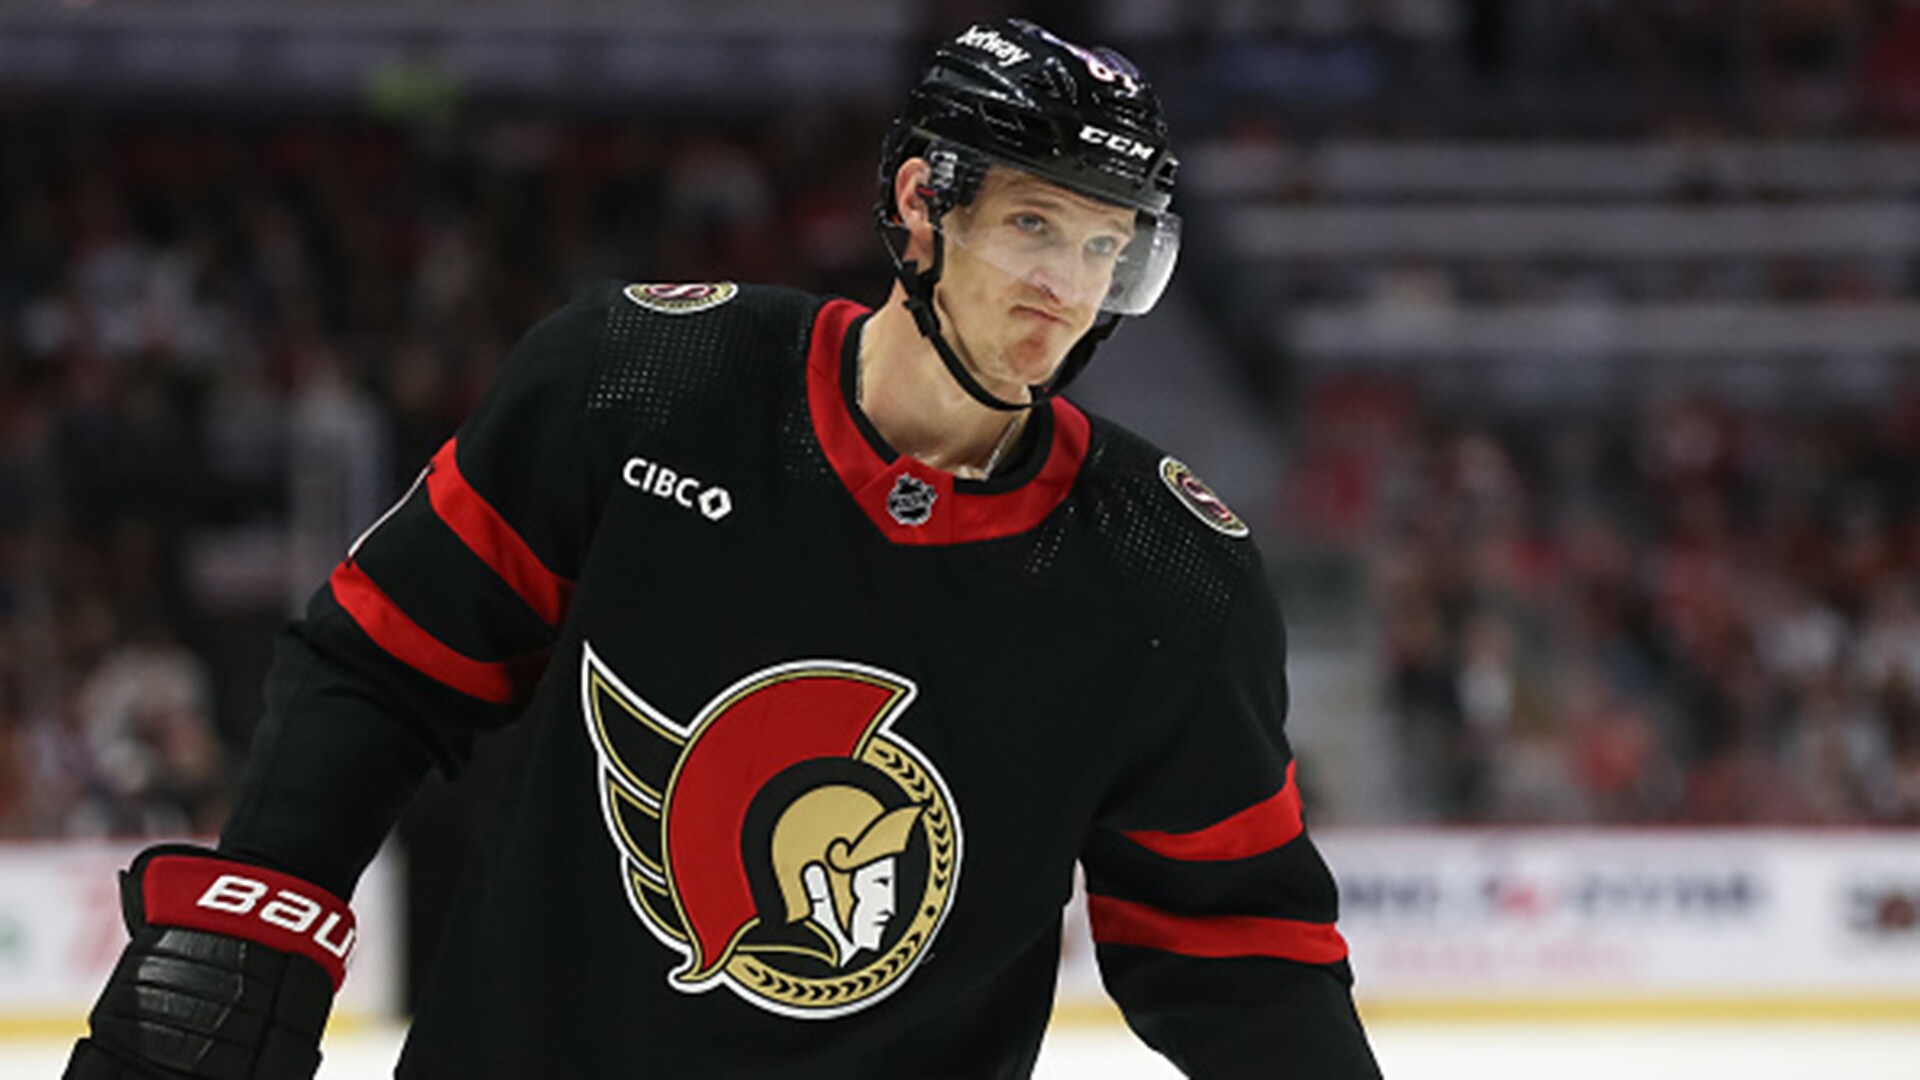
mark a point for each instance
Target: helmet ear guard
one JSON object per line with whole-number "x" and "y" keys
{"x": 954, "y": 174}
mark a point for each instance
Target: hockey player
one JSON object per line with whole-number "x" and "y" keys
{"x": 844, "y": 639}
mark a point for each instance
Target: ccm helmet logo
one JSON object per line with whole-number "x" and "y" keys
{"x": 1119, "y": 144}
{"x": 232, "y": 894}
{"x": 663, "y": 482}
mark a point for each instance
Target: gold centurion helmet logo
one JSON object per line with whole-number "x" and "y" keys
{"x": 786, "y": 843}
{"x": 832, "y": 852}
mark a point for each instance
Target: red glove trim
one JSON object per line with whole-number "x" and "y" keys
{"x": 254, "y": 904}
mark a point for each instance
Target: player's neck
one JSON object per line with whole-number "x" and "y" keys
{"x": 911, "y": 400}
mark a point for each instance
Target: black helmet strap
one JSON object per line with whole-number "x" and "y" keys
{"x": 919, "y": 284}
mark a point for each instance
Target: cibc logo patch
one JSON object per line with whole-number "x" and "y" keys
{"x": 786, "y": 843}
{"x": 664, "y": 482}
{"x": 1199, "y": 499}
{"x": 682, "y": 299}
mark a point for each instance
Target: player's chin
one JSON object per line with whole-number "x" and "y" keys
{"x": 1032, "y": 361}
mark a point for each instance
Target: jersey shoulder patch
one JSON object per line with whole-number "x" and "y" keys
{"x": 1199, "y": 499}
{"x": 681, "y": 299}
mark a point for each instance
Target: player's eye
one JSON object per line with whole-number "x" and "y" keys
{"x": 1030, "y": 223}
{"x": 1105, "y": 247}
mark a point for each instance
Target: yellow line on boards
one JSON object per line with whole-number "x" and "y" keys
{"x": 28, "y": 1027}
{"x": 1103, "y": 1013}
{"x": 1647, "y": 1010}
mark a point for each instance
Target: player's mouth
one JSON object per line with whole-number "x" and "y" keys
{"x": 1040, "y": 313}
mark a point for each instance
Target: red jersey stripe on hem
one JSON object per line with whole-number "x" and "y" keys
{"x": 489, "y": 536}
{"x": 499, "y": 682}
{"x": 1122, "y": 922}
{"x": 1265, "y": 826}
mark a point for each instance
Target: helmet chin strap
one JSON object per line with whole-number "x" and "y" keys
{"x": 919, "y": 285}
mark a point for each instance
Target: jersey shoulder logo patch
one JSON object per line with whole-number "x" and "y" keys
{"x": 1199, "y": 499}
{"x": 786, "y": 842}
{"x": 669, "y": 299}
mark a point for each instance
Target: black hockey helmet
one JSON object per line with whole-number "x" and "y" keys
{"x": 1011, "y": 92}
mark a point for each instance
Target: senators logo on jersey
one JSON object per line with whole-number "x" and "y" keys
{"x": 786, "y": 843}
{"x": 682, "y": 299}
{"x": 1199, "y": 499}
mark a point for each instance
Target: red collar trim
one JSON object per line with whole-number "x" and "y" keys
{"x": 958, "y": 513}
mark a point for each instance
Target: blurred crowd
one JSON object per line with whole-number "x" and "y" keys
{"x": 224, "y": 347}
{"x": 1693, "y": 615}
{"x": 226, "y": 341}
{"x": 1595, "y": 67}
{"x": 1657, "y": 606}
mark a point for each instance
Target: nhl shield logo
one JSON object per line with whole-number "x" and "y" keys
{"x": 786, "y": 843}
{"x": 911, "y": 500}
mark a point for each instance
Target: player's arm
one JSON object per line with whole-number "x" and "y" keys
{"x": 1212, "y": 912}
{"x": 438, "y": 624}
{"x": 435, "y": 627}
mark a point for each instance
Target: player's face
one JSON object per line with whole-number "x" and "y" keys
{"x": 873, "y": 903}
{"x": 1028, "y": 264}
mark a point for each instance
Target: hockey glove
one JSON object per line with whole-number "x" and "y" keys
{"x": 230, "y": 974}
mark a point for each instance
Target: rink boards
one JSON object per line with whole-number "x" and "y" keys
{"x": 1622, "y": 924}
{"x": 1443, "y": 924}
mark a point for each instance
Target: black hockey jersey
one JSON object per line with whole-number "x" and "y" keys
{"x": 820, "y": 733}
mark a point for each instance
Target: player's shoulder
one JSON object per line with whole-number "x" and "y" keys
{"x": 706, "y": 321}
{"x": 668, "y": 306}
{"x": 621, "y": 320}
{"x": 1158, "y": 486}
{"x": 1160, "y": 522}
{"x": 678, "y": 318}
{"x": 664, "y": 351}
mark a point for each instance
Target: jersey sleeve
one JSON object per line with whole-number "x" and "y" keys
{"x": 438, "y": 623}
{"x": 1213, "y": 914}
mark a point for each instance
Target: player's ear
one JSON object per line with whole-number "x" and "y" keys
{"x": 908, "y": 181}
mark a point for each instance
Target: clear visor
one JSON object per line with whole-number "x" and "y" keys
{"x": 1076, "y": 256}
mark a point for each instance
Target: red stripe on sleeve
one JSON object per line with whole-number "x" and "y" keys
{"x": 502, "y": 683}
{"x": 1260, "y": 828}
{"x": 1121, "y": 922}
{"x": 488, "y": 535}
